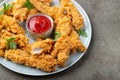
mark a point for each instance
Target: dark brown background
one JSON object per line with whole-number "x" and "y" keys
{"x": 102, "y": 60}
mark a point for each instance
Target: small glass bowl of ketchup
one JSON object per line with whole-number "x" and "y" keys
{"x": 39, "y": 25}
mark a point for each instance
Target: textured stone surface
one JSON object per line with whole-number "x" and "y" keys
{"x": 102, "y": 60}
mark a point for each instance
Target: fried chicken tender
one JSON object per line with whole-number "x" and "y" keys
{"x": 18, "y": 11}
{"x": 3, "y": 42}
{"x": 74, "y": 37}
{"x": 77, "y": 19}
{"x": 51, "y": 11}
{"x": 42, "y": 46}
{"x": 17, "y": 56}
{"x": 20, "y": 39}
{"x": 21, "y": 13}
{"x": 11, "y": 25}
{"x": 6, "y": 34}
{"x": 43, "y": 62}
{"x": 63, "y": 23}
{"x": 61, "y": 50}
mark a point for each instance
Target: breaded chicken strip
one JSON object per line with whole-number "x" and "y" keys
{"x": 42, "y": 46}
{"x": 63, "y": 23}
{"x": 74, "y": 37}
{"x": 44, "y": 62}
{"x": 11, "y": 25}
{"x": 21, "y": 13}
{"x": 21, "y": 40}
{"x": 51, "y": 11}
{"x": 6, "y": 34}
{"x": 77, "y": 19}
{"x": 61, "y": 50}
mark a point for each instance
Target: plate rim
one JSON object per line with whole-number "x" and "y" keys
{"x": 82, "y": 10}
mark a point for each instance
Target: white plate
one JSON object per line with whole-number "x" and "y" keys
{"x": 72, "y": 60}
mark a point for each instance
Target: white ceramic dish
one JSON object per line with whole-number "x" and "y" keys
{"x": 73, "y": 58}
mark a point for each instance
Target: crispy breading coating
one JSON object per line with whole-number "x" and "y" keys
{"x": 43, "y": 62}
{"x": 42, "y": 46}
{"x": 18, "y": 12}
{"x": 32, "y": 11}
{"x": 61, "y": 50}
{"x": 63, "y": 23}
{"x": 20, "y": 39}
{"x": 2, "y": 44}
{"x": 51, "y": 11}
{"x": 21, "y": 13}
{"x": 1, "y": 24}
{"x": 77, "y": 19}
{"x": 6, "y": 34}
{"x": 11, "y": 25}
{"x": 74, "y": 37}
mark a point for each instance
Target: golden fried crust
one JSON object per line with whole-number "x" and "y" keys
{"x": 1, "y": 25}
{"x": 2, "y": 44}
{"x": 32, "y": 11}
{"x": 61, "y": 50}
{"x": 2, "y": 53}
{"x": 46, "y": 9}
{"x": 6, "y": 34}
{"x": 21, "y": 40}
{"x": 74, "y": 37}
{"x": 21, "y": 13}
{"x": 12, "y": 26}
{"x": 45, "y": 46}
{"x": 44, "y": 62}
{"x": 47, "y": 63}
{"x": 17, "y": 56}
{"x": 77, "y": 19}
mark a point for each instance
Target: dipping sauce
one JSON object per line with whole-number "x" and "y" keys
{"x": 40, "y": 25}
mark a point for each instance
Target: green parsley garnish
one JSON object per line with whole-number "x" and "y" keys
{"x": 6, "y": 7}
{"x": 28, "y": 5}
{"x": 82, "y": 33}
{"x": 11, "y": 44}
{"x": 57, "y": 35}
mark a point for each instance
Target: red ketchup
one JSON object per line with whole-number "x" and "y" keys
{"x": 39, "y": 24}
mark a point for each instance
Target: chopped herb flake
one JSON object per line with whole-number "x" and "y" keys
{"x": 57, "y": 35}
{"x": 82, "y": 33}
{"x": 28, "y": 5}
{"x": 11, "y": 44}
{"x": 6, "y": 7}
